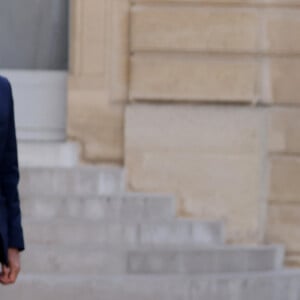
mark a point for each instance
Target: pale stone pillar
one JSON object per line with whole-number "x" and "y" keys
{"x": 98, "y": 77}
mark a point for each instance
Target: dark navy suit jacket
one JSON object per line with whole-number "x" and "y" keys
{"x": 11, "y": 232}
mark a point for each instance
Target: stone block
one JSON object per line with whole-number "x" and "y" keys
{"x": 182, "y": 232}
{"x": 156, "y": 77}
{"x": 283, "y": 226}
{"x": 182, "y": 77}
{"x": 83, "y": 180}
{"x": 177, "y": 28}
{"x": 222, "y": 2}
{"x": 124, "y": 233}
{"x": 282, "y": 27}
{"x": 211, "y": 158}
{"x": 282, "y": 2}
{"x": 96, "y": 123}
{"x": 284, "y": 179}
{"x": 284, "y": 80}
{"x": 284, "y": 130}
{"x": 204, "y": 261}
{"x": 37, "y": 154}
{"x": 93, "y": 37}
{"x": 122, "y": 207}
{"x": 54, "y": 259}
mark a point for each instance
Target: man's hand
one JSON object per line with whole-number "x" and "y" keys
{"x": 10, "y": 273}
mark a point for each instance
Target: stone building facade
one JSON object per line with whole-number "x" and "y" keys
{"x": 199, "y": 98}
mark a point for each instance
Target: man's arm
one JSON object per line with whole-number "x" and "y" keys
{"x": 10, "y": 180}
{"x": 9, "y": 186}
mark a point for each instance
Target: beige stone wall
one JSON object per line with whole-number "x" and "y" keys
{"x": 212, "y": 158}
{"x": 227, "y": 161}
{"x": 284, "y": 191}
{"x": 98, "y": 81}
{"x": 217, "y": 53}
{"x": 211, "y": 94}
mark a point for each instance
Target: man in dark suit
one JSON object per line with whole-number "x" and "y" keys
{"x": 11, "y": 232}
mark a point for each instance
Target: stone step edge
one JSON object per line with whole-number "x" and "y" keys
{"x": 171, "y": 221}
{"x": 79, "y": 166}
{"x": 214, "y": 228}
{"x": 111, "y": 199}
{"x": 152, "y": 195}
{"x": 285, "y": 272}
{"x": 176, "y": 221}
{"x": 279, "y": 248}
{"x": 127, "y": 258}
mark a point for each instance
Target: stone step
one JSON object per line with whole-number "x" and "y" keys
{"x": 82, "y": 180}
{"x": 122, "y": 206}
{"x": 116, "y": 260}
{"x": 272, "y": 285}
{"x": 172, "y": 232}
{"x": 48, "y": 154}
{"x": 206, "y": 260}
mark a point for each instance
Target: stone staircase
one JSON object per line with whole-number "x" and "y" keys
{"x": 87, "y": 238}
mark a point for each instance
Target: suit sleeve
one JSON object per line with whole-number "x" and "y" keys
{"x": 10, "y": 180}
